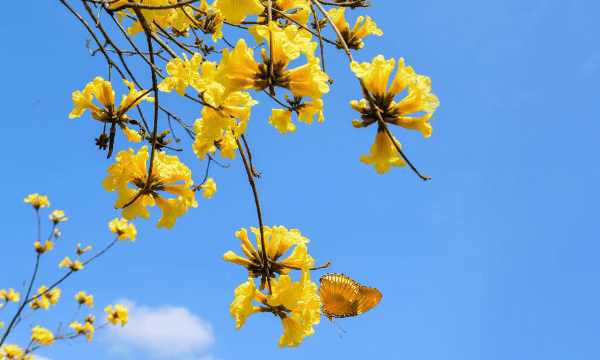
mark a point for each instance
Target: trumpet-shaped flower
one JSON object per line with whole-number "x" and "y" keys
{"x": 160, "y": 16}
{"x": 383, "y": 154}
{"x": 119, "y": 314}
{"x": 109, "y": 114}
{"x": 296, "y": 303}
{"x": 81, "y": 329}
{"x": 375, "y": 76}
{"x": 122, "y": 229}
{"x": 353, "y": 37}
{"x": 73, "y": 265}
{"x": 11, "y": 295}
{"x": 235, "y": 11}
{"x": 83, "y": 298}
{"x": 58, "y": 216}
{"x": 242, "y": 306}
{"x": 183, "y": 73}
{"x": 44, "y": 298}
{"x": 37, "y": 201}
{"x": 13, "y": 352}
{"x": 166, "y": 170}
{"x": 48, "y": 245}
{"x": 282, "y": 118}
{"x": 239, "y": 71}
{"x": 208, "y": 22}
{"x": 210, "y": 187}
{"x": 278, "y": 240}
{"x": 219, "y": 124}
{"x": 297, "y": 10}
{"x": 42, "y": 335}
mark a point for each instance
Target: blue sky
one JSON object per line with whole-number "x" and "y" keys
{"x": 494, "y": 258}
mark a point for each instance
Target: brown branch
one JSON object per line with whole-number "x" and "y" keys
{"x": 265, "y": 260}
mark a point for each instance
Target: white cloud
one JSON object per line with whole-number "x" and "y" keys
{"x": 38, "y": 357}
{"x": 591, "y": 63}
{"x": 165, "y": 331}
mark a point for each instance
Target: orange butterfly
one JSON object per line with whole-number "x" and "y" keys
{"x": 343, "y": 297}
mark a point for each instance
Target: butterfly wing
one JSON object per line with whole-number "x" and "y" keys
{"x": 343, "y": 297}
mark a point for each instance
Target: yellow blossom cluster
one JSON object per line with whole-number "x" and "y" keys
{"x": 123, "y": 229}
{"x": 208, "y": 19}
{"x": 116, "y": 315}
{"x": 296, "y": 303}
{"x": 167, "y": 175}
{"x": 86, "y": 329}
{"x": 375, "y": 75}
{"x": 45, "y": 297}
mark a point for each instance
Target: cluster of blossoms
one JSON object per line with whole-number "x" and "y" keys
{"x": 375, "y": 76}
{"x": 296, "y": 303}
{"x": 46, "y": 296}
{"x": 288, "y": 66}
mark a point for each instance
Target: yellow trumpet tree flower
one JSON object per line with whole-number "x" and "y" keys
{"x": 83, "y": 298}
{"x": 375, "y": 76}
{"x": 166, "y": 170}
{"x": 352, "y": 37}
{"x": 278, "y": 240}
{"x": 37, "y": 201}
{"x": 235, "y": 11}
{"x": 11, "y": 295}
{"x": 109, "y": 114}
{"x": 123, "y": 229}
{"x": 296, "y": 303}
{"x": 42, "y": 335}
{"x": 119, "y": 314}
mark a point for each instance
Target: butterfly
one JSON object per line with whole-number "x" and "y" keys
{"x": 343, "y": 297}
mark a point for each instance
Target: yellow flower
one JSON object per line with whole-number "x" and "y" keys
{"x": 210, "y": 187}
{"x": 292, "y": 332}
{"x": 160, "y": 16}
{"x": 11, "y": 352}
{"x": 56, "y": 233}
{"x": 209, "y": 23}
{"x": 42, "y": 335}
{"x": 285, "y": 293}
{"x": 48, "y": 245}
{"x": 242, "y": 306}
{"x": 83, "y": 298}
{"x": 353, "y": 38}
{"x": 122, "y": 229}
{"x": 103, "y": 92}
{"x": 296, "y": 303}
{"x": 37, "y": 201}
{"x": 183, "y": 73}
{"x": 383, "y": 153}
{"x": 87, "y": 329}
{"x": 304, "y": 315}
{"x": 419, "y": 97}
{"x": 300, "y": 14}
{"x": 80, "y": 251}
{"x": 40, "y": 301}
{"x": 131, "y": 168}
{"x": 217, "y": 124}
{"x": 70, "y": 264}
{"x": 12, "y": 295}
{"x": 239, "y": 71}
{"x": 282, "y": 119}
{"x": 278, "y": 240}
{"x": 119, "y": 314}
{"x": 58, "y": 216}
{"x": 235, "y": 11}
{"x": 1, "y": 322}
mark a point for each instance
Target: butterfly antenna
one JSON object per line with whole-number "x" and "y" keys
{"x": 338, "y": 327}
